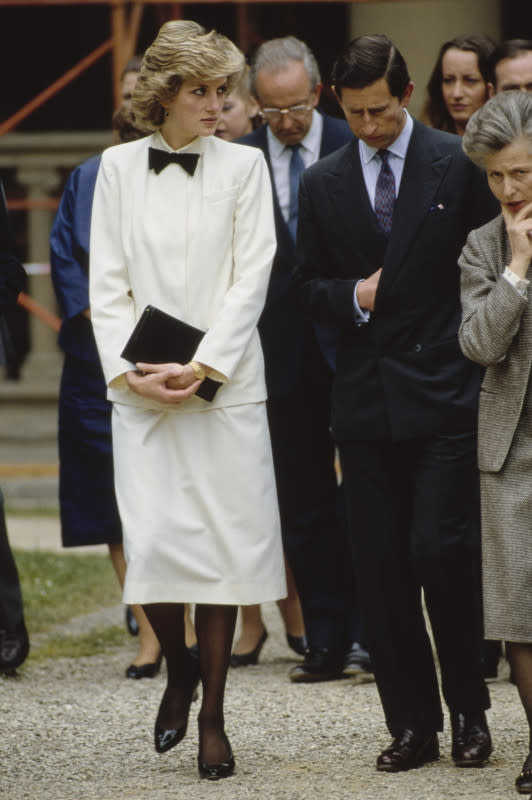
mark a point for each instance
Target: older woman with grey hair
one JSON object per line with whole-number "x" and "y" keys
{"x": 496, "y": 331}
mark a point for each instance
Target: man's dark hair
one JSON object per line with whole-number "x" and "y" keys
{"x": 368, "y": 59}
{"x": 509, "y": 49}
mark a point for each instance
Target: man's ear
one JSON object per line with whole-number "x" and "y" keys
{"x": 316, "y": 92}
{"x": 407, "y": 94}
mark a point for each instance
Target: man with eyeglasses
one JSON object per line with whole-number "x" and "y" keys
{"x": 299, "y": 360}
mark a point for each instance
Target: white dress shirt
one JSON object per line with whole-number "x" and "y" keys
{"x": 280, "y": 155}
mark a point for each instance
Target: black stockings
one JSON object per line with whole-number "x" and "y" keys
{"x": 215, "y": 626}
{"x": 520, "y": 657}
{"x": 168, "y": 622}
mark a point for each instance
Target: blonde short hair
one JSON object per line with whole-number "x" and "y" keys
{"x": 182, "y": 51}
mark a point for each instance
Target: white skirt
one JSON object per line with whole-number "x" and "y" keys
{"x": 197, "y": 499}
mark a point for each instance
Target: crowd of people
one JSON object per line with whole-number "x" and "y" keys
{"x": 350, "y": 435}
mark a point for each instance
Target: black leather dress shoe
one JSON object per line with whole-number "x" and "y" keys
{"x": 319, "y": 665}
{"x": 213, "y": 772}
{"x": 523, "y": 782}
{"x": 245, "y": 659}
{"x": 14, "y": 648}
{"x": 409, "y": 750}
{"x": 471, "y": 739}
{"x": 298, "y": 644}
{"x": 357, "y": 662}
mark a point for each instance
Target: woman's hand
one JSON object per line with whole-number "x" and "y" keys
{"x": 519, "y": 228}
{"x": 166, "y": 383}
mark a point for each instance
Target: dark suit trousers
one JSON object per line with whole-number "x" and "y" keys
{"x": 11, "y": 610}
{"x": 413, "y": 511}
{"x": 314, "y": 534}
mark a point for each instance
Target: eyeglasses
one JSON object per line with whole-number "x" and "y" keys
{"x": 276, "y": 114}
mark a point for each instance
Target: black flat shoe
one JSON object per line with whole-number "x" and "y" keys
{"x": 166, "y": 738}
{"x": 131, "y": 622}
{"x": 523, "y": 782}
{"x": 213, "y": 772}
{"x": 138, "y": 671}
{"x": 244, "y": 659}
{"x": 298, "y": 644}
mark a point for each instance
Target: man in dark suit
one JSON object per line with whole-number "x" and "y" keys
{"x": 14, "y": 643}
{"x": 381, "y": 225}
{"x": 299, "y": 358}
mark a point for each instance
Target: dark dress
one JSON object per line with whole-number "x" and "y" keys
{"x": 89, "y": 513}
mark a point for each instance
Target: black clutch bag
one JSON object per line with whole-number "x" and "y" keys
{"x": 159, "y": 338}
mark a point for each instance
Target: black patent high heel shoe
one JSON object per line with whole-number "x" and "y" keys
{"x": 214, "y": 772}
{"x": 166, "y": 738}
{"x": 244, "y": 659}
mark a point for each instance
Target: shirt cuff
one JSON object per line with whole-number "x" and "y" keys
{"x": 521, "y": 284}
{"x": 361, "y": 315}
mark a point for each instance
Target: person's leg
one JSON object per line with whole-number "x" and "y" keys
{"x": 149, "y": 649}
{"x": 252, "y": 630}
{"x": 215, "y": 627}
{"x": 445, "y": 553}
{"x": 167, "y": 620}
{"x": 520, "y": 657}
{"x": 14, "y": 642}
{"x": 190, "y": 631}
{"x": 378, "y": 491}
{"x": 290, "y": 606}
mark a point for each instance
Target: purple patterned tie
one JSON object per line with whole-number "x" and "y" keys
{"x": 385, "y": 194}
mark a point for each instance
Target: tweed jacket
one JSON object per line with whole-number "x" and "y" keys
{"x": 496, "y": 331}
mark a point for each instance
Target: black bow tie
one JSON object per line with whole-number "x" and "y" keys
{"x": 159, "y": 159}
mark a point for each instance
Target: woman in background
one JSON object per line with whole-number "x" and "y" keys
{"x": 240, "y": 112}
{"x": 459, "y": 83}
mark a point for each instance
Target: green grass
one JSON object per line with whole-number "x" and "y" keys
{"x": 57, "y": 586}
{"x": 34, "y": 511}
{"x": 97, "y": 641}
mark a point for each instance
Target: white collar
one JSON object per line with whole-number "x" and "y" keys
{"x": 398, "y": 147}
{"x": 311, "y": 142}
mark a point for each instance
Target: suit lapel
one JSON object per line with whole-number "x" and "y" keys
{"x": 423, "y": 173}
{"x": 351, "y": 208}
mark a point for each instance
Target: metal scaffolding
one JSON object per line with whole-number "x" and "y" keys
{"x": 125, "y": 22}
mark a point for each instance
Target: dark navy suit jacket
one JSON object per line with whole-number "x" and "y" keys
{"x": 282, "y": 326}
{"x": 402, "y": 375}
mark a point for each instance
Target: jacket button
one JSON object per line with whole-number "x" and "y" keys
{"x": 418, "y": 348}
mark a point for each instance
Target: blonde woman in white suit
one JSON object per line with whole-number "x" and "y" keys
{"x": 194, "y": 479}
{"x": 496, "y": 331}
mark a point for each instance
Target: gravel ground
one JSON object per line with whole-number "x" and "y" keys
{"x": 76, "y": 729}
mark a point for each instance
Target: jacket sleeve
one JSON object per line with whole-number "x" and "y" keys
{"x": 491, "y": 307}
{"x": 112, "y": 306}
{"x": 254, "y": 246}
{"x": 319, "y": 294}
{"x": 69, "y": 277}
